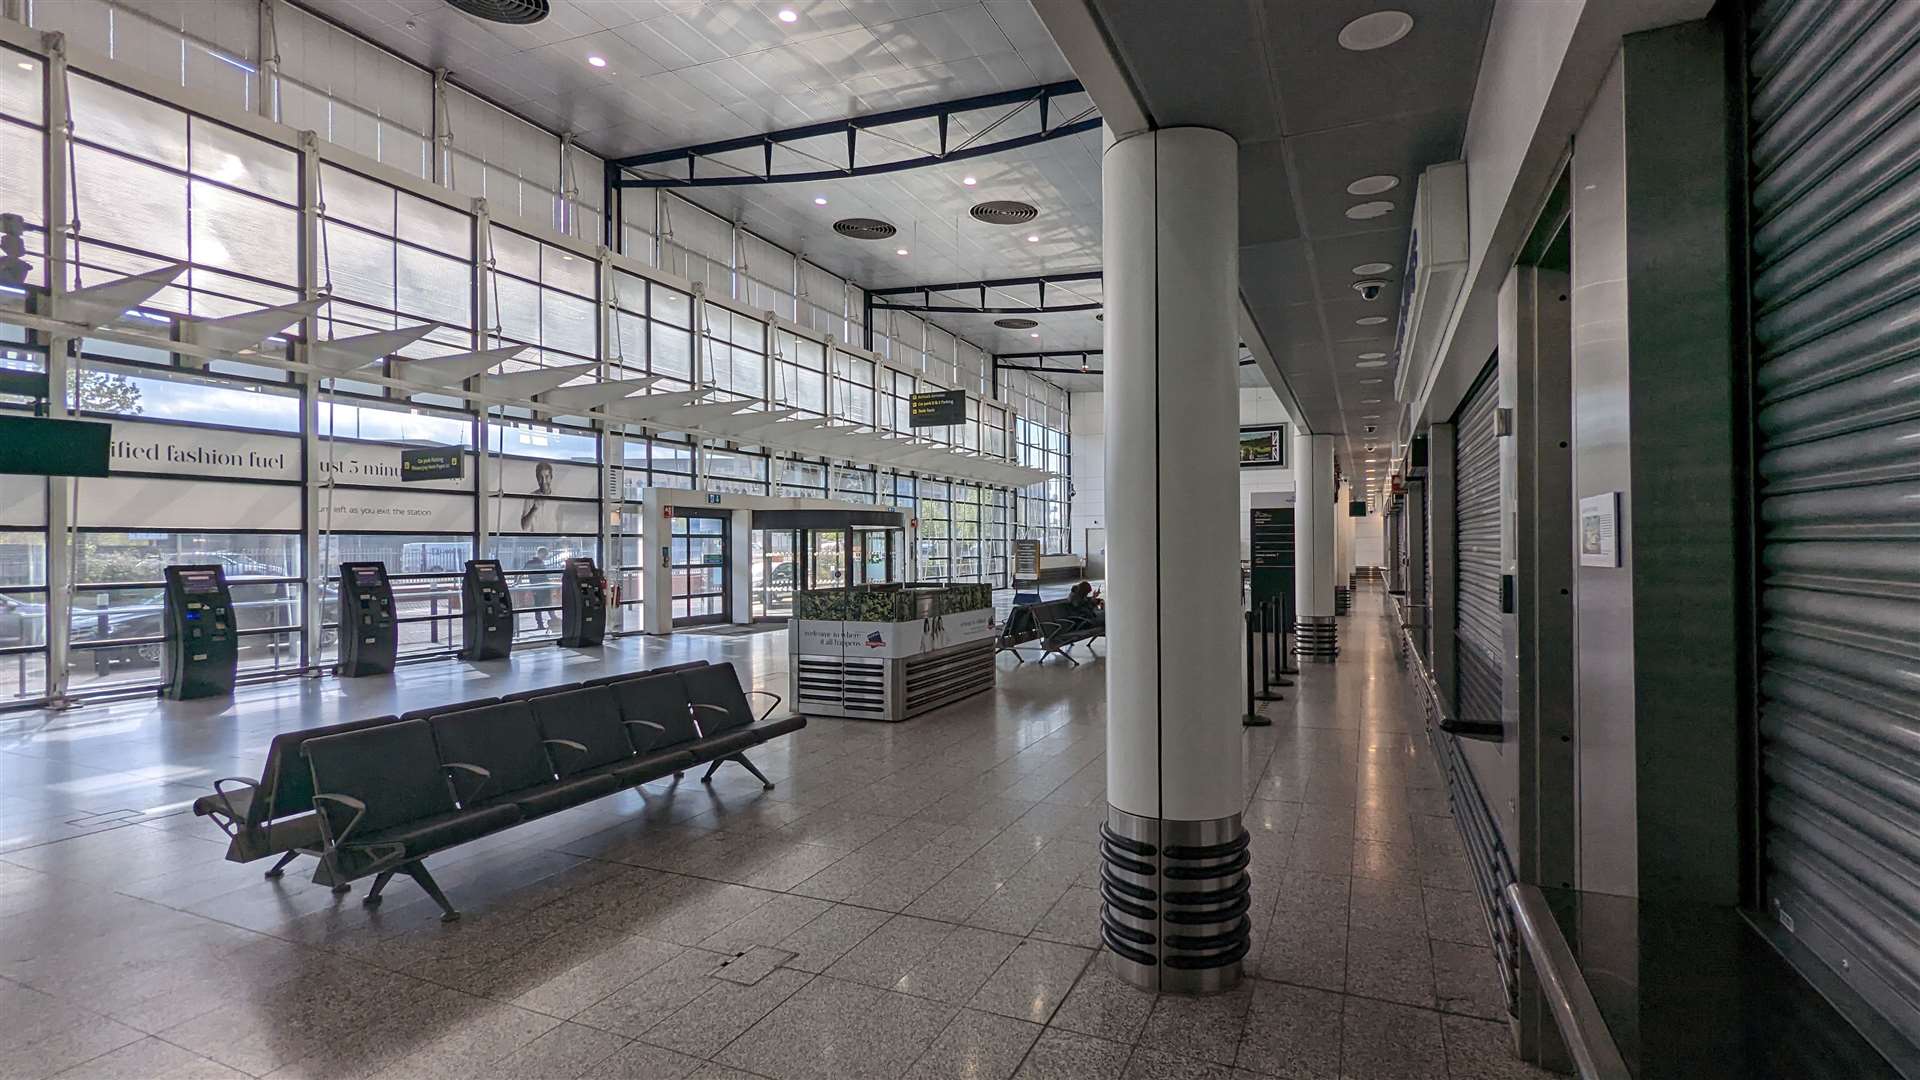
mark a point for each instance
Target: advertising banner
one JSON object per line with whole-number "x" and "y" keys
{"x": 889, "y": 640}
{"x": 203, "y": 452}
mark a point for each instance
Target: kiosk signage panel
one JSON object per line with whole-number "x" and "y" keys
{"x": 200, "y": 650}
{"x": 369, "y": 635}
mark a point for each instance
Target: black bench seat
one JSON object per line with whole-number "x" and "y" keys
{"x": 391, "y": 793}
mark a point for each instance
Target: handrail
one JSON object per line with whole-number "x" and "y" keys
{"x": 1575, "y": 1013}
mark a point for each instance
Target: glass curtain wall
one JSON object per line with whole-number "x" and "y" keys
{"x": 278, "y": 476}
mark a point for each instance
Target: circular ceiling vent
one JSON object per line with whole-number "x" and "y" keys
{"x": 1004, "y": 212}
{"x": 1015, "y": 324}
{"x": 515, "y": 12}
{"x": 864, "y": 228}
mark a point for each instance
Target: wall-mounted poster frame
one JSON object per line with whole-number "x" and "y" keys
{"x": 1263, "y": 446}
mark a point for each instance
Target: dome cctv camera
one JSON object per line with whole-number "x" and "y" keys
{"x": 1370, "y": 289}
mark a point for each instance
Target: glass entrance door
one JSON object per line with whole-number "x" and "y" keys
{"x": 700, "y": 569}
{"x": 873, "y": 555}
{"x": 776, "y": 572}
{"x": 827, "y": 561}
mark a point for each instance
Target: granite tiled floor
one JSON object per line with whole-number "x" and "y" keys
{"x": 911, "y": 901}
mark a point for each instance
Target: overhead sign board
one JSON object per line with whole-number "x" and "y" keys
{"x": 937, "y": 408}
{"x": 42, "y": 446}
{"x": 432, "y": 463}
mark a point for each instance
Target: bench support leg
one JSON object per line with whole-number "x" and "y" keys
{"x": 280, "y": 867}
{"x": 757, "y": 774}
{"x": 742, "y": 760}
{"x": 380, "y": 880}
{"x": 418, "y": 872}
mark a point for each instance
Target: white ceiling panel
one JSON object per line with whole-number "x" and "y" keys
{"x": 682, "y": 72}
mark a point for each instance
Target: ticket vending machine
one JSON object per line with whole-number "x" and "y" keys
{"x": 200, "y": 651}
{"x": 369, "y": 637}
{"x": 583, "y": 605}
{"x": 486, "y": 612}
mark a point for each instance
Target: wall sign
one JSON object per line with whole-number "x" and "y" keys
{"x": 1600, "y": 529}
{"x": 432, "y": 464}
{"x": 937, "y": 408}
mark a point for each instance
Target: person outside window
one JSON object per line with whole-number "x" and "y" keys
{"x": 541, "y": 559}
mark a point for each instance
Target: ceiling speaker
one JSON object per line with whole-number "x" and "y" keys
{"x": 514, "y": 12}
{"x": 864, "y": 228}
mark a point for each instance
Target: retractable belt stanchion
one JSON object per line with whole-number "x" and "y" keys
{"x": 1287, "y": 666}
{"x": 1252, "y": 718}
{"x": 1263, "y": 627}
{"x": 1277, "y": 639}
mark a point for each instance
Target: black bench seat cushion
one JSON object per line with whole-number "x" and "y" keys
{"x": 563, "y": 794}
{"x": 646, "y": 767}
{"x": 717, "y": 685}
{"x": 656, "y": 699}
{"x": 395, "y": 770}
{"x": 503, "y": 739}
{"x": 429, "y": 835}
{"x": 739, "y": 739}
{"x": 587, "y": 716}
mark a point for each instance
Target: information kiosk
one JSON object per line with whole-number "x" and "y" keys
{"x": 486, "y": 612}
{"x": 201, "y": 651}
{"x": 369, "y": 638}
{"x": 583, "y": 605}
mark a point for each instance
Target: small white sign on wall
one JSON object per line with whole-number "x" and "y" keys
{"x": 1600, "y": 529}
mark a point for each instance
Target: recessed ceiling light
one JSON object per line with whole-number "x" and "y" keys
{"x": 1370, "y": 382}
{"x": 969, "y": 181}
{"x": 597, "y": 61}
{"x": 1371, "y": 320}
{"x": 788, "y": 15}
{"x": 1369, "y": 269}
{"x": 1367, "y": 211}
{"x": 900, "y": 251}
{"x": 1371, "y": 364}
{"x": 1036, "y": 333}
{"x": 1373, "y": 356}
{"x": 1369, "y": 401}
{"x": 1371, "y": 416}
{"x": 26, "y": 65}
{"x": 1373, "y": 185}
{"x": 1376, "y": 30}
{"x": 819, "y": 200}
{"x": 1033, "y": 239}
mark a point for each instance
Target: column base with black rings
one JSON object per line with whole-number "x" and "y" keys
{"x": 1341, "y": 598}
{"x": 1316, "y": 637}
{"x": 1174, "y": 901}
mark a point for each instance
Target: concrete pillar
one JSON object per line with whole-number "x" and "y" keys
{"x": 1315, "y": 637}
{"x": 1173, "y": 674}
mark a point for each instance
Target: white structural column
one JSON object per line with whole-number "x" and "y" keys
{"x": 1175, "y": 854}
{"x": 1342, "y": 551}
{"x": 1315, "y": 637}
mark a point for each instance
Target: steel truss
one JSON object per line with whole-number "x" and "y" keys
{"x": 973, "y": 146}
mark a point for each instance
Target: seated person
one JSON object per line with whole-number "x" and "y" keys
{"x": 1084, "y": 604}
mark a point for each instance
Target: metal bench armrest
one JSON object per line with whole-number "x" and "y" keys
{"x": 233, "y": 816}
{"x": 568, "y": 743}
{"x": 326, "y": 825}
{"x": 777, "y": 699}
{"x": 485, "y": 775}
{"x": 645, "y": 723}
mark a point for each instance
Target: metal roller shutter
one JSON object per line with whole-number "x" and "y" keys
{"x": 1476, "y": 536}
{"x": 1834, "y": 157}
